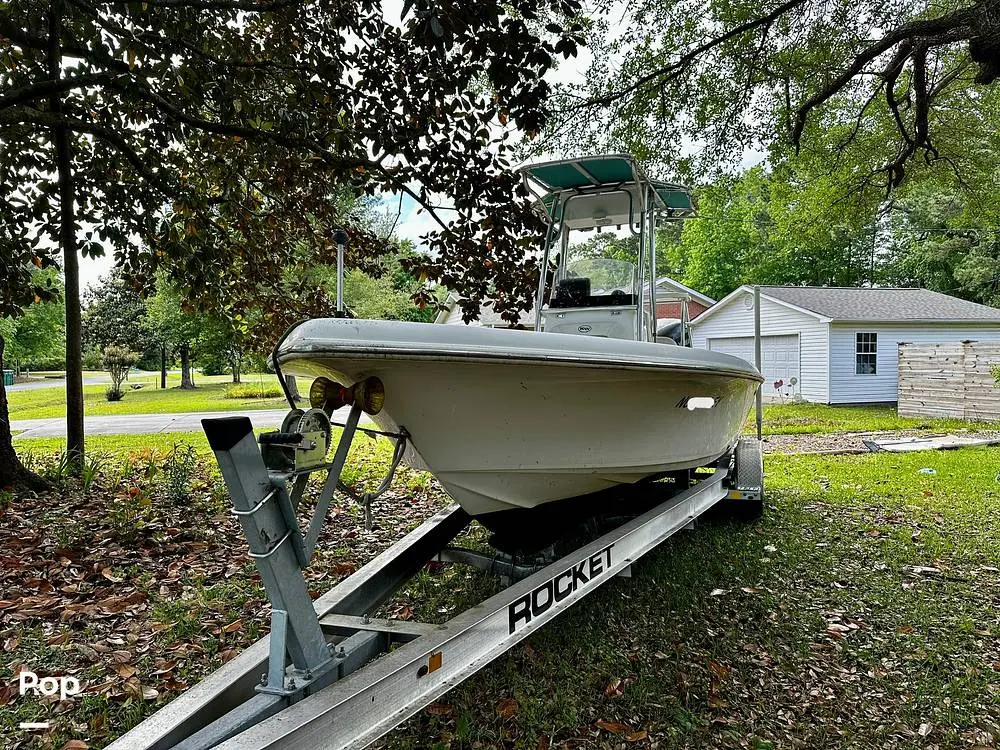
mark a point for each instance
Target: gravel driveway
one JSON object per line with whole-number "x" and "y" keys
{"x": 851, "y": 442}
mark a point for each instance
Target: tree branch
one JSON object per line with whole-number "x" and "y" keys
{"x": 891, "y": 76}
{"x": 935, "y": 28}
{"x": 50, "y": 119}
{"x": 42, "y": 89}
{"x": 668, "y": 72}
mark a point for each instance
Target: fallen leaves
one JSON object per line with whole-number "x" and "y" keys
{"x": 616, "y": 727}
{"x": 139, "y": 597}
{"x": 508, "y": 708}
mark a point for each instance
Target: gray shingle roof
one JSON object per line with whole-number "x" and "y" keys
{"x": 840, "y": 303}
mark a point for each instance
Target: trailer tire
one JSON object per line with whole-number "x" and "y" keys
{"x": 746, "y": 482}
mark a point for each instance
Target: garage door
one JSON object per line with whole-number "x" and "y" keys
{"x": 779, "y": 355}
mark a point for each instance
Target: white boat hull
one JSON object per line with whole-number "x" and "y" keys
{"x": 507, "y": 423}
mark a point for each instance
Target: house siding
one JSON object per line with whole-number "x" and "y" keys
{"x": 454, "y": 316}
{"x": 735, "y": 320}
{"x": 847, "y": 387}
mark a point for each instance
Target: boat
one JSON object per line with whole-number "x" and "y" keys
{"x": 521, "y": 427}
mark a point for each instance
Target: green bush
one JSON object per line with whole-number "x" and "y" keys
{"x": 253, "y": 390}
{"x": 212, "y": 365}
{"x": 44, "y": 363}
{"x": 117, "y": 360}
{"x": 178, "y": 472}
{"x": 91, "y": 358}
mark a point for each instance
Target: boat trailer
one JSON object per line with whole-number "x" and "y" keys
{"x": 331, "y": 676}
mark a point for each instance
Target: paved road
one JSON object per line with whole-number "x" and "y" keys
{"x": 56, "y": 383}
{"x": 147, "y": 424}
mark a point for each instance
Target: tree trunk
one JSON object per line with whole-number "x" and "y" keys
{"x": 187, "y": 382}
{"x": 236, "y": 364}
{"x": 293, "y": 388}
{"x": 163, "y": 366}
{"x": 67, "y": 241}
{"x": 12, "y": 471}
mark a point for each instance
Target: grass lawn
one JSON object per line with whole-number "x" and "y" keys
{"x": 790, "y": 419}
{"x": 105, "y": 446}
{"x": 861, "y": 612}
{"x": 208, "y": 396}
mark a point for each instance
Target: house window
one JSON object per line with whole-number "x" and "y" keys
{"x": 866, "y": 349}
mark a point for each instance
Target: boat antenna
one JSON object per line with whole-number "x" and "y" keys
{"x": 340, "y": 239}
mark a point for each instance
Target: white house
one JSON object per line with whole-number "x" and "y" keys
{"x": 838, "y": 344}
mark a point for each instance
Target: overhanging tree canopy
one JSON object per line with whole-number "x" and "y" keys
{"x": 199, "y": 135}
{"x": 742, "y": 74}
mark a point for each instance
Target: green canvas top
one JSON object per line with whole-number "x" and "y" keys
{"x": 585, "y": 172}
{"x": 603, "y": 171}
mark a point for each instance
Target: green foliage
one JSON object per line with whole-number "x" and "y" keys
{"x": 178, "y": 471}
{"x": 786, "y": 225}
{"x": 115, "y": 315}
{"x": 794, "y": 224}
{"x": 170, "y": 318}
{"x": 117, "y": 360}
{"x": 246, "y": 133}
{"x": 948, "y": 241}
{"x": 837, "y": 101}
{"x": 728, "y": 77}
{"x": 37, "y": 335}
{"x": 252, "y": 390}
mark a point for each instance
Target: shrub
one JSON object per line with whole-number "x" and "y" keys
{"x": 253, "y": 390}
{"x": 92, "y": 358}
{"x": 212, "y": 365}
{"x": 178, "y": 471}
{"x": 117, "y": 360}
{"x": 45, "y": 363}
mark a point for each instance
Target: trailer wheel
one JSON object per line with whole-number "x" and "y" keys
{"x": 745, "y": 501}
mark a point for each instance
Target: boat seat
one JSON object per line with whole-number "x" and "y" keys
{"x": 571, "y": 292}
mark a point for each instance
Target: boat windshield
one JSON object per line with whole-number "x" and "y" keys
{"x": 607, "y": 275}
